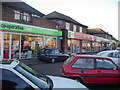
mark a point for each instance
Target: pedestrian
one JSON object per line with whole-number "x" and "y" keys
{"x": 38, "y": 50}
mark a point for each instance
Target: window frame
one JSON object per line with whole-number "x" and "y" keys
{"x": 84, "y": 68}
{"x": 81, "y": 29}
{"x": 113, "y": 54}
{"x": 23, "y": 16}
{"x": 74, "y": 28}
{"x": 103, "y": 59}
{"x": 21, "y": 77}
{"x": 67, "y": 26}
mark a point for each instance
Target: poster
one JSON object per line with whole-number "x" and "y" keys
{"x": 33, "y": 45}
{"x": 15, "y": 45}
{"x": 26, "y": 44}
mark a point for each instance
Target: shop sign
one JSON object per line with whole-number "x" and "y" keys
{"x": 82, "y": 36}
{"x": 28, "y": 28}
{"x": 60, "y": 37}
{"x": 70, "y": 34}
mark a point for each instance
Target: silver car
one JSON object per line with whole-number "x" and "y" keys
{"x": 113, "y": 54}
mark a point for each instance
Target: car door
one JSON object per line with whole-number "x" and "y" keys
{"x": 106, "y": 72}
{"x": 84, "y": 68}
{"x": 60, "y": 56}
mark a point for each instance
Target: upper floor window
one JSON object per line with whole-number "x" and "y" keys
{"x": 81, "y": 30}
{"x": 22, "y": 16}
{"x": 74, "y": 28}
{"x": 67, "y": 26}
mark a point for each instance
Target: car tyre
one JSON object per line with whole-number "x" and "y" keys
{"x": 78, "y": 80}
{"x": 53, "y": 60}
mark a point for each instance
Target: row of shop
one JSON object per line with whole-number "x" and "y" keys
{"x": 80, "y": 43}
{"x": 20, "y": 41}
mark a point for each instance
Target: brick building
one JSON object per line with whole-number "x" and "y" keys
{"x": 23, "y": 29}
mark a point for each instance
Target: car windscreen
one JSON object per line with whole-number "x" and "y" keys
{"x": 101, "y": 53}
{"x": 39, "y": 79}
{"x": 68, "y": 60}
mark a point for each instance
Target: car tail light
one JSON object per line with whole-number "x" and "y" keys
{"x": 48, "y": 55}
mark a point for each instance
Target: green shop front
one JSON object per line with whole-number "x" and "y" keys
{"x": 20, "y": 41}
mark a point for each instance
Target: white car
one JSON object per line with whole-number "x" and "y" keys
{"x": 17, "y": 75}
{"x": 113, "y": 54}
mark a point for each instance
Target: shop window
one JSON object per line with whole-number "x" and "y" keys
{"x": 6, "y": 45}
{"x": 22, "y": 16}
{"x": 15, "y": 45}
{"x": 40, "y": 42}
{"x": 29, "y": 46}
{"x": 75, "y": 46}
{"x": 86, "y": 47}
{"x": 49, "y": 42}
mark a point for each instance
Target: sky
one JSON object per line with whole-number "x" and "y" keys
{"x": 92, "y": 13}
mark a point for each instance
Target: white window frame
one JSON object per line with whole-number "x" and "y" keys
{"x": 67, "y": 26}
{"x": 74, "y": 28}
{"x": 2, "y": 44}
{"x": 80, "y": 29}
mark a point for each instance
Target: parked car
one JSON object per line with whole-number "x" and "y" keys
{"x": 118, "y": 48}
{"x": 52, "y": 55}
{"x": 91, "y": 69}
{"x": 17, "y": 75}
{"x": 113, "y": 54}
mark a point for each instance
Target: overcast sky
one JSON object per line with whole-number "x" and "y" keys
{"x": 92, "y": 13}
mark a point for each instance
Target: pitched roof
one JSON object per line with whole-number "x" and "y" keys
{"x": 57, "y": 15}
{"x": 95, "y": 31}
{"x": 22, "y": 6}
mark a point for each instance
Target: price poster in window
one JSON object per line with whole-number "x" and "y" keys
{"x": 32, "y": 45}
{"x": 26, "y": 44}
{"x": 15, "y": 45}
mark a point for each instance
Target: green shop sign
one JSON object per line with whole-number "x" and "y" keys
{"x": 30, "y": 29}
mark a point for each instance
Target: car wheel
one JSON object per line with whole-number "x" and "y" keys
{"x": 53, "y": 60}
{"x": 78, "y": 80}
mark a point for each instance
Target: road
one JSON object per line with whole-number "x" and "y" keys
{"x": 54, "y": 70}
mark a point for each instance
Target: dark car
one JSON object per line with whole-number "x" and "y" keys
{"x": 52, "y": 55}
{"x": 91, "y": 69}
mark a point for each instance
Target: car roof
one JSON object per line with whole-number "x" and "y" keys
{"x": 9, "y": 63}
{"x": 111, "y": 51}
{"x": 90, "y": 56}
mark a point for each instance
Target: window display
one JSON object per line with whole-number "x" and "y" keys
{"x": 50, "y": 42}
{"x": 18, "y": 46}
{"x": 6, "y": 46}
{"x": 86, "y": 47}
{"x": 75, "y": 46}
{"x": 40, "y": 42}
{"x": 15, "y": 46}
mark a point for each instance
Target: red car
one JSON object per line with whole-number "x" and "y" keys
{"x": 91, "y": 69}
